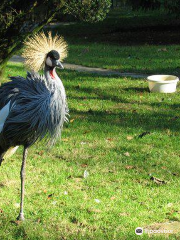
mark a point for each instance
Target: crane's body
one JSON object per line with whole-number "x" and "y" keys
{"x": 34, "y": 107}
{"x": 31, "y": 109}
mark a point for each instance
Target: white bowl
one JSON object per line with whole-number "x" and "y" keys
{"x": 162, "y": 83}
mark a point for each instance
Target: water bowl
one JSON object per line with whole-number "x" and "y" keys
{"x": 162, "y": 83}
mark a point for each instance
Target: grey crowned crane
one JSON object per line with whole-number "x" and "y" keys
{"x": 34, "y": 107}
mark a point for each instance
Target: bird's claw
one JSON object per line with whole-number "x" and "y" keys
{"x": 21, "y": 217}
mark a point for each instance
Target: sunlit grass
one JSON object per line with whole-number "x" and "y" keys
{"x": 142, "y": 59}
{"x": 108, "y": 115}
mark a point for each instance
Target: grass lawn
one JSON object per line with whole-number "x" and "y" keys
{"x": 122, "y": 135}
{"x": 126, "y": 41}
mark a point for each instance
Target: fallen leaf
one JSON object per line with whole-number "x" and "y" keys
{"x": 94, "y": 210}
{"x": 85, "y": 132}
{"x": 112, "y": 198}
{"x": 50, "y": 195}
{"x": 72, "y": 120}
{"x": 77, "y": 179}
{"x": 129, "y": 167}
{"x": 174, "y": 118}
{"x": 109, "y": 139}
{"x": 83, "y": 165}
{"x": 108, "y": 112}
{"x": 164, "y": 167}
{"x": 65, "y": 139}
{"x": 143, "y": 134}
{"x": 41, "y": 153}
{"x": 157, "y": 180}
{"x": 124, "y": 214}
{"x": 162, "y": 50}
{"x": 168, "y": 131}
{"x": 17, "y": 222}
{"x": 127, "y": 154}
{"x": 129, "y": 137}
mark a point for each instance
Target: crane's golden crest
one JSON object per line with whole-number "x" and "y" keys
{"x": 38, "y": 46}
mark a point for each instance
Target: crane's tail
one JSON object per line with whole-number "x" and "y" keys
{"x": 10, "y": 152}
{"x": 7, "y": 154}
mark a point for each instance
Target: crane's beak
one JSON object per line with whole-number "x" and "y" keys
{"x": 59, "y": 64}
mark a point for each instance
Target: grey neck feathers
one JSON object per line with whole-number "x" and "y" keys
{"x": 48, "y": 72}
{"x": 52, "y": 77}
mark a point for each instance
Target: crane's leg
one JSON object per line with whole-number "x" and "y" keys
{"x": 21, "y": 214}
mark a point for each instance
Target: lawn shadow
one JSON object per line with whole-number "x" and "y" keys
{"x": 126, "y": 31}
{"x": 134, "y": 118}
{"x": 136, "y": 89}
{"x": 174, "y": 106}
{"x": 16, "y": 67}
{"x": 98, "y": 93}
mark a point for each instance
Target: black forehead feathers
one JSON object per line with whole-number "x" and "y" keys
{"x": 53, "y": 54}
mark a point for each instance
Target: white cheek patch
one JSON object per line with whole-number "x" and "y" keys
{"x": 4, "y": 112}
{"x": 49, "y": 62}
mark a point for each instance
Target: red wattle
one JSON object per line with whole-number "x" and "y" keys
{"x": 51, "y": 74}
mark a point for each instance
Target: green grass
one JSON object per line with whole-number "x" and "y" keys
{"x": 107, "y": 116}
{"x": 133, "y": 59}
{"x": 126, "y": 41}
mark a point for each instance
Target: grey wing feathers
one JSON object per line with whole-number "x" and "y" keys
{"x": 37, "y": 108}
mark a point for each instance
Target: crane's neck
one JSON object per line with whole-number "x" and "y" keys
{"x": 51, "y": 76}
{"x": 50, "y": 73}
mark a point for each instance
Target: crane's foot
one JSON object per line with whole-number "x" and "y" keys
{"x": 21, "y": 217}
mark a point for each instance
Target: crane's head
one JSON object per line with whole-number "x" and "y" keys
{"x": 44, "y": 50}
{"x": 52, "y": 59}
